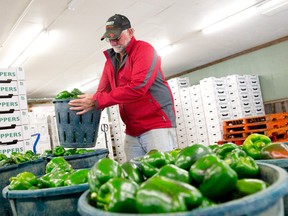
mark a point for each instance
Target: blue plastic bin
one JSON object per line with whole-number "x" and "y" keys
{"x": 267, "y": 202}
{"x": 283, "y": 163}
{"x": 49, "y": 201}
{"x": 76, "y": 131}
{"x": 36, "y": 166}
{"x": 86, "y": 160}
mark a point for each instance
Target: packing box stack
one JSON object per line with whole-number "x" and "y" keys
{"x": 14, "y": 121}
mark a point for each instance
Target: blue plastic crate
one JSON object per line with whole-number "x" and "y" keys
{"x": 49, "y": 201}
{"x": 36, "y": 166}
{"x": 76, "y": 131}
{"x": 264, "y": 203}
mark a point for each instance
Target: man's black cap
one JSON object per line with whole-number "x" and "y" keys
{"x": 115, "y": 25}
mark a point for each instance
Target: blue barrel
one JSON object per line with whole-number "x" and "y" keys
{"x": 267, "y": 202}
{"x": 76, "y": 131}
{"x": 86, "y": 160}
{"x": 283, "y": 163}
{"x": 49, "y": 201}
{"x": 36, "y": 166}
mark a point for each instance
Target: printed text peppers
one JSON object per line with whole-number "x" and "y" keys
{"x": 253, "y": 144}
{"x": 215, "y": 177}
{"x": 245, "y": 166}
{"x": 118, "y": 195}
{"x": 163, "y": 195}
{"x": 103, "y": 170}
{"x": 188, "y": 155}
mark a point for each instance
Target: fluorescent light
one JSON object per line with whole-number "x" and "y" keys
{"x": 165, "y": 50}
{"x": 163, "y": 47}
{"x": 272, "y": 7}
{"x": 73, "y": 4}
{"x": 39, "y": 44}
{"x": 230, "y": 20}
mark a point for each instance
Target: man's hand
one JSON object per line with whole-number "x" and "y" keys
{"x": 84, "y": 103}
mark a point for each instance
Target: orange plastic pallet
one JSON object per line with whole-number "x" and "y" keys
{"x": 242, "y": 121}
{"x": 257, "y": 119}
{"x": 257, "y": 126}
{"x": 277, "y": 116}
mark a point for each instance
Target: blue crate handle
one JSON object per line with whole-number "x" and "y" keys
{"x": 36, "y": 141}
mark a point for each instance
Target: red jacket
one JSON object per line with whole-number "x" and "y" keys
{"x": 144, "y": 97}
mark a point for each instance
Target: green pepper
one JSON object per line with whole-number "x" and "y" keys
{"x": 207, "y": 203}
{"x": 83, "y": 151}
{"x": 75, "y": 92}
{"x": 3, "y": 156}
{"x": 245, "y": 166}
{"x": 7, "y": 162}
{"x": 214, "y": 147}
{"x": 23, "y": 181}
{"x": 215, "y": 177}
{"x": 133, "y": 171}
{"x": 152, "y": 151}
{"x": 163, "y": 195}
{"x": 253, "y": 144}
{"x": 249, "y": 186}
{"x": 225, "y": 149}
{"x": 19, "y": 158}
{"x": 188, "y": 155}
{"x": 63, "y": 95}
{"x": 47, "y": 153}
{"x": 173, "y": 172}
{"x": 118, "y": 195}
{"x": 103, "y": 170}
{"x": 54, "y": 179}
{"x": 69, "y": 152}
{"x": 151, "y": 163}
{"x": 58, "y": 151}
{"x": 30, "y": 154}
{"x": 78, "y": 177}
{"x": 274, "y": 151}
{"x": 56, "y": 164}
{"x": 175, "y": 152}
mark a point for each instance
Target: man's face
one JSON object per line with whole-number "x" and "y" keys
{"x": 121, "y": 42}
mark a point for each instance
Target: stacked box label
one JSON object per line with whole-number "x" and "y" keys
{"x": 12, "y": 74}
{"x": 14, "y": 102}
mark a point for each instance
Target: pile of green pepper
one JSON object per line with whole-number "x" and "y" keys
{"x": 61, "y": 151}
{"x": 17, "y": 158}
{"x": 197, "y": 176}
{"x": 58, "y": 173}
{"x": 66, "y": 94}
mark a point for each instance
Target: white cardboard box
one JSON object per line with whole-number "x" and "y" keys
{"x": 16, "y": 73}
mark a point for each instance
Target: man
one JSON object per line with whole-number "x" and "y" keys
{"x": 133, "y": 79}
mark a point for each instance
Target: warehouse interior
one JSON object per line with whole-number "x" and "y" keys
{"x": 225, "y": 62}
{"x": 71, "y": 54}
